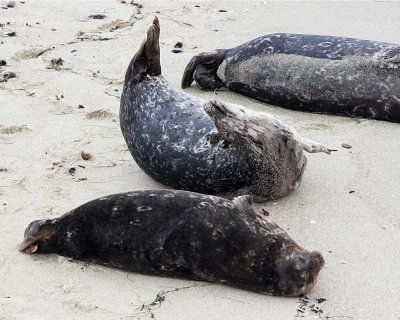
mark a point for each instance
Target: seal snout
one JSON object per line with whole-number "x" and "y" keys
{"x": 215, "y": 109}
{"x": 298, "y": 272}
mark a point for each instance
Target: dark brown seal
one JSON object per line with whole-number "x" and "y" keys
{"x": 174, "y": 141}
{"x": 323, "y": 74}
{"x": 181, "y": 234}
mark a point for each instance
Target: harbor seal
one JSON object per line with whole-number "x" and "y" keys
{"x": 174, "y": 141}
{"x": 181, "y": 234}
{"x": 322, "y": 74}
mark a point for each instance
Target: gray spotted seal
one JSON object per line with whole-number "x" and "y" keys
{"x": 174, "y": 141}
{"x": 323, "y": 74}
{"x": 181, "y": 234}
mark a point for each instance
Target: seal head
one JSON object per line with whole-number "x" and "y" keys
{"x": 275, "y": 150}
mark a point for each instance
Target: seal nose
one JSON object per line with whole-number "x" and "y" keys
{"x": 215, "y": 108}
{"x": 218, "y": 107}
{"x": 318, "y": 258}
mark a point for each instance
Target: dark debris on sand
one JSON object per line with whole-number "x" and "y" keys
{"x": 306, "y": 303}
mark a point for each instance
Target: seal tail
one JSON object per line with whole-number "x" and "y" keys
{"x": 146, "y": 61}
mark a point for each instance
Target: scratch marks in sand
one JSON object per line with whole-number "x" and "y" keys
{"x": 146, "y": 309}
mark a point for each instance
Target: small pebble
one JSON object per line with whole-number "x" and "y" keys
{"x": 11, "y": 4}
{"x": 342, "y": 262}
{"x": 11, "y": 34}
{"x": 80, "y": 106}
{"x": 352, "y": 191}
{"x": 3, "y": 62}
{"x": 222, "y": 10}
{"x": 86, "y": 155}
{"x": 9, "y": 75}
{"x": 178, "y": 45}
{"x": 346, "y": 146}
{"x": 97, "y": 16}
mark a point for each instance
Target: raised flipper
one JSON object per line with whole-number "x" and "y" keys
{"x": 146, "y": 61}
{"x": 314, "y": 147}
{"x": 203, "y": 69}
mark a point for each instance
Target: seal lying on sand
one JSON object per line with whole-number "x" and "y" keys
{"x": 174, "y": 141}
{"x": 321, "y": 74}
{"x": 181, "y": 234}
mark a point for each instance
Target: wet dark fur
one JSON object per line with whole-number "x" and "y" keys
{"x": 322, "y": 74}
{"x": 182, "y": 234}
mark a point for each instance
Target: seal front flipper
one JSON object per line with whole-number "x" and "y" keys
{"x": 203, "y": 68}
{"x": 314, "y": 147}
{"x": 392, "y": 108}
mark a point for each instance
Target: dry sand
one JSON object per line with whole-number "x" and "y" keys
{"x": 42, "y": 132}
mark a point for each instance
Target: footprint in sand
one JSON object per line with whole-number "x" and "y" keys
{"x": 14, "y": 129}
{"x": 100, "y": 114}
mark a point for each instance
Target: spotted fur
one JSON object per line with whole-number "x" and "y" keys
{"x": 174, "y": 141}
{"x": 323, "y": 74}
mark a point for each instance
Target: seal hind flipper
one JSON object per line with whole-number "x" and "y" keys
{"x": 146, "y": 61}
{"x": 202, "y": 68}
{"x": 37, "y": 231}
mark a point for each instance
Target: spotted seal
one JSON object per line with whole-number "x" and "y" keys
{"x": 174, "y": 141}
{"x": 181, "y": 234}
{"x": 323, "y": 74}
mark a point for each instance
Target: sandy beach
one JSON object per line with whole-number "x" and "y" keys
{"x": 347, "y": 206}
